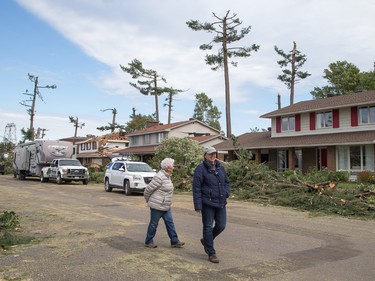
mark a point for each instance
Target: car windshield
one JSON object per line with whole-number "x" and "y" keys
{"x": 138, "y": 167}
{"x": 70, "y": 162}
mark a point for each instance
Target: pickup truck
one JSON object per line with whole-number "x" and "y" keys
{"x": 65, "y": 170}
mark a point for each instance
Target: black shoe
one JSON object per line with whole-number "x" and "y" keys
{"x": 213, "y": 259}
{"x": 179, "y": 244}
{"x": 151, "y": 245}
{"x": 204, "y": 245}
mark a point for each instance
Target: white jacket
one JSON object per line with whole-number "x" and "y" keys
{"x": 159, "y": 192}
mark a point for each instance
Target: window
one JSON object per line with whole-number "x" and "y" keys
{"x": 355, "y": 158}
{"x": 288, "y": 123}
{"x": 324, "y": 120}
{"x": 298, "y": 159}
{"x": 147, "y": 139}
{"x": 117, "y": 166}
{"x": 83, "y": 147}
{"x": 161, "y": 136}
{"x": 282, "y": 160}
{"x": 367, "y": 115}
{"x": 134, "y": 140}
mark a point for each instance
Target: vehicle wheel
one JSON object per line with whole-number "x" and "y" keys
{"x": 85, "y": 182}
{"x": 42, "y": 178}
{"x": 59, "y": 180}
{"x": 127, "y": 188}
{"x": 21, "y": 176}
{"x": 107, "y": 187}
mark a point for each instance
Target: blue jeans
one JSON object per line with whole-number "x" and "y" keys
{"x": 153, "y": 225}
{"x": 210, "y": 232}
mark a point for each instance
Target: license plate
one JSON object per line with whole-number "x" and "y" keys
{"x": 76, "y": 178}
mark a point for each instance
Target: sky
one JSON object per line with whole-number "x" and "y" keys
{"x": 79, "y": 45}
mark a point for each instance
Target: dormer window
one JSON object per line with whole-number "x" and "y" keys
{"x": 367, "y": 115}
{"x": 324, "y": 120}
{"x": 288, "y": 123}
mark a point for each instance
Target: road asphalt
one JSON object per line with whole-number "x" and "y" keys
{"x": 84, "y": 233}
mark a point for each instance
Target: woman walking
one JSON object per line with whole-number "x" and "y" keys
{"x": 158, "y": 195}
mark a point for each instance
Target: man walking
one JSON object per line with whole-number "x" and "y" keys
{"x": 210, "y": 193}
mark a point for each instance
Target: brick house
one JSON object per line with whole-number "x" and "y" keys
{"x": 335, "y": 133}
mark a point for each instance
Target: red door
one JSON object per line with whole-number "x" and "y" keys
{"x": 322, "y": 158}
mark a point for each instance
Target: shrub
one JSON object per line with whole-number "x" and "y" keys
{"x": 187, "y": 154}
{"x": 365, "y": 177}
{"x": 97, "y": 177}
{"x": 9, "y": 222}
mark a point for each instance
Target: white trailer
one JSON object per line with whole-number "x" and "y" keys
{"x": 31, "y": 157}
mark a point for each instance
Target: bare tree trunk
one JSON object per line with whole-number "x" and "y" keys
{"x": 293, "y": 73}
{"x": 226, "y": 79}
{"x": 114, "y": 111}
{"x": 156, "y": 98}
{"x": 170, "y": 108}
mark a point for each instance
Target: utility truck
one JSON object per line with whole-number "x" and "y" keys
{"x": 31, "y": 157}
{"x": 65, "y": 170}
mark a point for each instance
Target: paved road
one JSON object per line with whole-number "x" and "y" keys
{"x": 84, "y": 233}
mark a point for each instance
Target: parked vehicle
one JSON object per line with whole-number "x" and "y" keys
{"x": 129, "y": 176}
{"x": 65, "y": 170}
{"x": 31, "y": 157}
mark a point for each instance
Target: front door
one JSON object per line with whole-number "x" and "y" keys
{"x": 321, "y": 158}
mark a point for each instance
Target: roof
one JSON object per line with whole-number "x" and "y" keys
{"x": 263, "y": 140}
{"x": 75, "y": 139}
{"x": 206, "y": 138}
{"x": 354, "y": 99}
{"x": 149, "y": 149}
{"x": 168, "y": 127}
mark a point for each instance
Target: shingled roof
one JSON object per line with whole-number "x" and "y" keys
{"x": 354, "y": 99}
{"x": 262, "y": 140}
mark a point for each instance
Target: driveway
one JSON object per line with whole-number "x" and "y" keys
{"x": 85, "y": 233}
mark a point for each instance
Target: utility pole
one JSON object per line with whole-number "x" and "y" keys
{"x": 36, "y": 93}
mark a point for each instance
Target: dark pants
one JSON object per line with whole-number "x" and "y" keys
{"x": 211, "y": 231}
{"x": 155, "y": 216}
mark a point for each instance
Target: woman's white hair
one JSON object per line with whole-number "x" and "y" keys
{"x": 166, "y": 163}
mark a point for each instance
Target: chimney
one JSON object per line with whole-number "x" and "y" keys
{"x": 151, "y": 124}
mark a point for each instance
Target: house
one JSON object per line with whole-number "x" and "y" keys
{"x": 335, "y": 133}
{"x": 143, "y": 143}
{"x": 95, "y": 152}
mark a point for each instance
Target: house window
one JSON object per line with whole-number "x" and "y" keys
{"x": 298, "y": 159}
{"x": 288, "y": 123}
{"x": 147, "y": 139}
{"x": 161, "y": 136}
{"x": 282, "y": 160}
{"x": 367, "y": 115}
{"x": 94, "y": 145}
{"x": 355, "y": 158}
{"x": 324, "y": 120}
{"x": 134, "y": 140}
{"x": 83, "y": 146}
